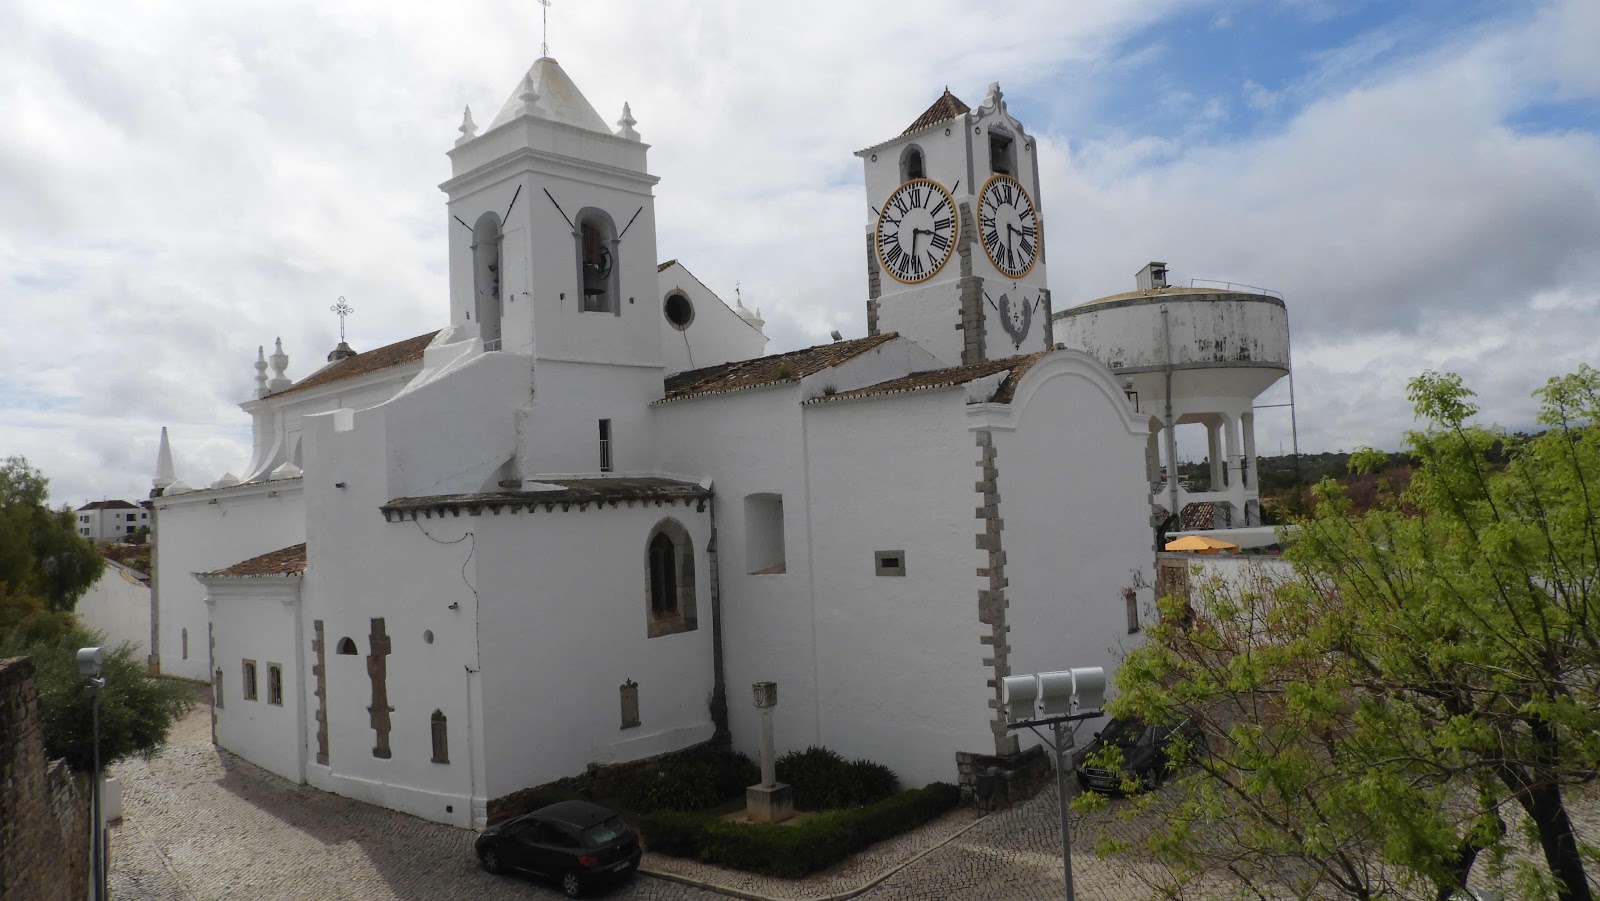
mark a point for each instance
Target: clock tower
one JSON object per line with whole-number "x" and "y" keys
{"x": 955, "y": 234}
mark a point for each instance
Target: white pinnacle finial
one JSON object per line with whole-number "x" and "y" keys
{"x": 468, "y": 129}
{"x": 261, "y": 371}
{"x": 626, "y": 124}
{"x": 164, "y": 472}
{"x": 995, "y": 96}
{"x": 280, "y": 365}
{"x": 738, "y": 301}
{"x": 529, "y": 96}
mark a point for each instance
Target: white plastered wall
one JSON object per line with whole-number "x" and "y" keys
{"x": 899, "y": 662}
{"x": 118, "y": 605}
{"x": 752, "y": 441}
{"x": 564, "y": 607}
{"x": 716, "y": 335}
{"x": 361, "y": 567}
{"x": 257, "y": 619}
{"x": 204, "y": 531}
{"x": 1070, "y": 456}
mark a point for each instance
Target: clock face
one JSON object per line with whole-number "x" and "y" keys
{"x": 1008, "y": 225}
{"x": 916, "y": 231}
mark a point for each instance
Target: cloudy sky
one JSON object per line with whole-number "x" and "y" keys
{"x": 183, "y": 181}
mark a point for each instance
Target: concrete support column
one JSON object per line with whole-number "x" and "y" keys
{"x": 1230, "y": 424}
{"x": 1248, "y": 423}
{"x": 1219, "y": 472}
{"x": 1152, "y": 457}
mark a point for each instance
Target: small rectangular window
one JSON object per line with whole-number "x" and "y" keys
{"x": 890, "y": 563}
{"x": 1131, "y": 598}
{"x": 249, "y": 683}
{"x": 275, "y": 684}
{"x": 605, "y": 445}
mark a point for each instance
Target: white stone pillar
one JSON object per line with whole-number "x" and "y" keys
{"x": 1214, "y": 455}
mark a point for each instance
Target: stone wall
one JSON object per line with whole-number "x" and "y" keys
{"x": 44, "y": 815}
{"x": 998, "y": 781}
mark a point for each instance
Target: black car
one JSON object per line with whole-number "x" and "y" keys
{"x": 575, "y": 843}
{"x": 1145, "y": 759}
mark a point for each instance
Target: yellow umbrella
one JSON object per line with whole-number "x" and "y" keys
{"x": 1200, "y": 544}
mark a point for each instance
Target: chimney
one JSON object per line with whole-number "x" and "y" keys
{"x": 1152, "y": 276}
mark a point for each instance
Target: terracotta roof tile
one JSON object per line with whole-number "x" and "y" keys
{"x": 396, "y": 354}
{"x": 769, "y": 370}
{"x": 289, "y": 561}
{"x": 945, "y": 378}
{"x": 551, "y": 493}
{"x": 948, "y": 106}
{"x": 109, "y": 505}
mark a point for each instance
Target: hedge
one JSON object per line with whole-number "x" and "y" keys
{"x": 794, "y": 851}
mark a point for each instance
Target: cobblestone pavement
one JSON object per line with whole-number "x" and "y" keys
{"x": 201, "y": 824}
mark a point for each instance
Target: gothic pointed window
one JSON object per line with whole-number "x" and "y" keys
{"x": 670, "y": 579}
{"x": 597, "y": 262}
{"x": 346, "y": 645}
{"x": 486, "y": 306}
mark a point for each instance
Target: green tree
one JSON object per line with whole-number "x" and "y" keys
{"x": 136, "y": 710}
{"x": 42, "y": 557}
{"x": 1431, "y": 673}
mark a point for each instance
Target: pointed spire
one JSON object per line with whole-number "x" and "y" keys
{"x": 280, "y": 365}
{"x": 529, "y": 96}
{"x": 261, "y": 372}
{"x": 468, "y": 129}
{"x": 626, "y": 124}
{"x": 165, "y": 475}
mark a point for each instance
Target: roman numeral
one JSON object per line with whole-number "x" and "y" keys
{"x": 916, "y": 196}
{"x": 941, "y": 205}
{"x": 900, "y": 204}
{"x": 939, "y": 241}
{"x": 1011, "y": 261}
{"x": 892, "y": 254}
{"x": 1029, "y": 231}
{"x": 1004, "y": 192}
{"x": 933, "y": 261}
{"x": 1027, "y": 213}
{"x": 986, "y": 221}
{"x": 991, "y": 241}
{"x": 1027, "y": 248}
{"x": 916, "y": 264}
{"x": 888, "y": 238}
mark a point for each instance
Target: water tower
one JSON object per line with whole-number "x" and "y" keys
{"x": 1200, "y": 354}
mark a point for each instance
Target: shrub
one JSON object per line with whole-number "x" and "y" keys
{"x": 703, "y": 777}
{"x": 823, "y": 780}
{"x": 794, "y": 851}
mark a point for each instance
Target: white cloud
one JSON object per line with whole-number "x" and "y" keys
{"x": 181, "y": 182}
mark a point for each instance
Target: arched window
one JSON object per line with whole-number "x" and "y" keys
{"x": 346, "y": 645}
{"x": 486, "y": 279}
{"x": 441, "y": 737}
{"x": 669, "y": 579}
{"x": 911, "y": 165}
{"x": 597, "y": 262}
{"x": 1002, "y": 155}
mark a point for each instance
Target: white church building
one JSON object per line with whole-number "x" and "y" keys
{"x": 572, "y": 525}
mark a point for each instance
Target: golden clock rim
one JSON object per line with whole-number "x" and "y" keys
{"x": 955, "y": 232}
{"x": 1037, "y": 218}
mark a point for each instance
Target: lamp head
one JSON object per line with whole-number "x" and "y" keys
{"x": 90, "y": 660}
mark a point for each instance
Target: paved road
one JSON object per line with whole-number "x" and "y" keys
{"x": 200, "y": 824}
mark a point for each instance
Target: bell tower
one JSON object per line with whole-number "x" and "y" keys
{"x": 972, "y": 288}
{"x": 552, "y": 229}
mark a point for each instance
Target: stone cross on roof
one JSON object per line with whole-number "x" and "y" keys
{"x": 343, "y": 309}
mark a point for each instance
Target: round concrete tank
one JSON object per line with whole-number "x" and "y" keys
{"x": 1195, "y": 355}
{"x": 1227, "y": 343}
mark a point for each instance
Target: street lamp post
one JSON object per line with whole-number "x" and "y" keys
{"x": 89, "y": 663}
{"x": 1054, "y": 700}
